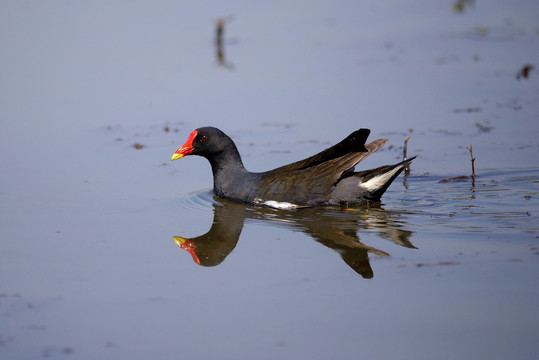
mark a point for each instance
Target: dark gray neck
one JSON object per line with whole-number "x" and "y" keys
{"x": 229, "y": 160}
{"x": 228, "y": 173}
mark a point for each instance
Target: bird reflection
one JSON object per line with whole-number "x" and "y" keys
{"x": 332, "y": 227}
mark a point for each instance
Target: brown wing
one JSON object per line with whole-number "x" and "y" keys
{"x": 312, "y": 180}
{"x": 355, "y": 142}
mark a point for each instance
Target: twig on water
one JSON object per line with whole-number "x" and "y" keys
{"x": 473, "y": 166}
{"x": 463, "y": 177}
{"x": 405, "y": 148}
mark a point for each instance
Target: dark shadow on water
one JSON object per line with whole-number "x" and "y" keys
{"x": 334, "y": 228}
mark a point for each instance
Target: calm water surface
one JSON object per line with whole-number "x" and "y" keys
{"x": 109, "y": 251}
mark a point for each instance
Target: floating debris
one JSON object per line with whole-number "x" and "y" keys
{"x": 484, "y": 128}
{"x": 138, "y": 146}
{"x": 438, "y": 263}
{"x": 468, "y": 110}
{"x": 112, "y": 127}
{"x": 461, "y": 178}
{"x": 447, "y": 132}
{"x": 524, "y": 72}
{"x": 460, "y": 5}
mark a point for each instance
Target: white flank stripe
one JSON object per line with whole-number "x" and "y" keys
{"x": 378, "y": 181}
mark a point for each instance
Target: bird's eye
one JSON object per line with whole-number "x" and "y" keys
{"x": 203, "y": 138}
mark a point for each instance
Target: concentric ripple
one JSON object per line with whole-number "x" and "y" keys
{"x": 200, "y": 202}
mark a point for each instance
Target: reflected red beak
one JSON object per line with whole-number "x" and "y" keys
{"x": 186, "y": 148}
{"x": 188, "y": 246}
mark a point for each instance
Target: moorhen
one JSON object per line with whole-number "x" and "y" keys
{"x": 324, "y": 179}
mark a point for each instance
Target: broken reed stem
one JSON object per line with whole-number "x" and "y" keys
{"x": 405, "y": 148}
{"x": 473, "y": 166}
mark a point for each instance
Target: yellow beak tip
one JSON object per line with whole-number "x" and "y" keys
{"x": 179, "y": 240}
{"x": 176, "y": 156}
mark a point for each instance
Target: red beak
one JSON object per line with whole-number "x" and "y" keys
{"x": 186, "y": 148}
{"x": 188, "y": 246}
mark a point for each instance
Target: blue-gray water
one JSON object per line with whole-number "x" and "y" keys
{"x": 91, "y": 264}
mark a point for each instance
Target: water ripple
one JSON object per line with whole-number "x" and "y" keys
{"x": 200, "y": 202}
{"x": 501, "y": 201}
